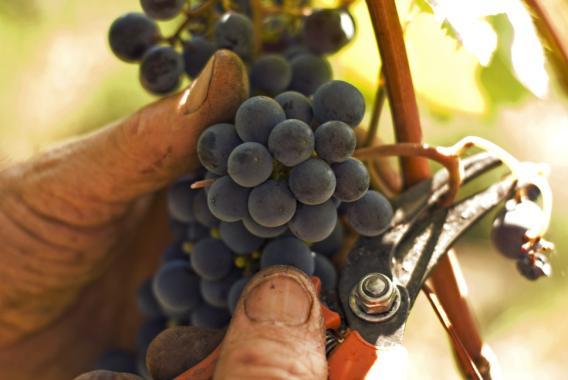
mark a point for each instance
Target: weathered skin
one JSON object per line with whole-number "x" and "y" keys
{"x": 83, "y": 224}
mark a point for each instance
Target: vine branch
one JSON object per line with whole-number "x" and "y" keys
{"x": 399, "y": 87}
{"x": 400, "y": 90}
{"x": 379, "y": 101}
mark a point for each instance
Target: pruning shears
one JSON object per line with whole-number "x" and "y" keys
{"x": 366, "y": 316}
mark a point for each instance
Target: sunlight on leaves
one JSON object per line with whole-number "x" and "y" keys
{"x": 527, "y": 54}
{"x": 468, "y": 20}
{"x": 444, "y": 74}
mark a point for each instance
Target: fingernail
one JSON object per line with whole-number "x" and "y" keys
{"x": 279, "y": 298}
{"x": 197, "y": 93}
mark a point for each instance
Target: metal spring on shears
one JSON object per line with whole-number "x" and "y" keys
{"x": 331, "y": 341}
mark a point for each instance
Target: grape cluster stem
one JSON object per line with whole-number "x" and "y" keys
{"x": 190, "y": 14}
{"x": 201, "y": 184}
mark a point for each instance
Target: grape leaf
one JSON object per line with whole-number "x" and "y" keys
{"x": 470, "y": 24}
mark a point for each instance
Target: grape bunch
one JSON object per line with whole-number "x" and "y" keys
{"x": 283, "y": 186}
{"x": 286, "y": 53}
{"x": 283, "y": 182}
{"x": 509, "y": 235}
{"x": 286, "y": 164}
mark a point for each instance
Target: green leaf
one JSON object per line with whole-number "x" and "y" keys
{"x": 469, "y": 22}
{"x": 498, "y": 81}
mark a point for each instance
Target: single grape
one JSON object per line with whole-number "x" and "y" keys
{"x": 227, "y": 200}
{"x": 296, "y": 106}
{"x": 162, "y": 9}
{"x": 180, "y": 202}
{"x": 261, "y": 231}
{"x": 195, "y": 232}
{"x": 206, "y": 316}
{"x": 339, "y": 100}
{"x": 234, "y": 31}
{"x": 201, "y": 210}
{"x": 314, "y": 223}
{"x": 541, "y": 267}
{"x": 211, "y": 259}
{"x": 325, "y": 31}
{"x": 512, "y": 223}
{"x": 288, "y": 251}
{"x": 250, "y": 164}
{"x": 147, "y": 302}
{"x": 174, "y": 252}
{"x": 312, "y": 182}
{"x": 235, "y": 293}
{"x": 238, "y": 239}
{"x": 271, "y": 204}
{"x": 214, "y": 146}
{"x": 309, "y": 72}
{"x": 117, "y": 360}
{"x": 271, "y": 74}
{"x": 326, "y": 272}
{"x": 332, "y": 244}
{"x": 533, "y": 192}
{"x": 196, "y": 54}
{"x": 176, "y": 288}
{"x": 335, "y": 141}
{"x": 352, "y": 180}
{"x": 131, "y": 35}
{"x": 370, "y": 215}
{"x": 291, "y": 142}
{"x": 256, "y": 118}
{"x": 161, "y": 69}
{"x": 216, "y": 293}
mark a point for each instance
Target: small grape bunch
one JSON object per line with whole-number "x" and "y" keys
{"x": 136, "y": 37}
{"x": 293, "y": 54}
{"x": 287, "y": 53}
{"x": 511, "y": 232}
{"x": 274, "y": 172}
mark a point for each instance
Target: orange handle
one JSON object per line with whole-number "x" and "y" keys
{"x": 357, "y": 359}
{"x": 331, "y": 319}
{"x": 352, "y": 359}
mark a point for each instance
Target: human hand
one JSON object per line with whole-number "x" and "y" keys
{"x": 81, "y": 225}
{"x": 276, "y": 333}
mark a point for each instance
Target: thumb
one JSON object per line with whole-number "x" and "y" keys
{"x": 142, "y": 153}
{"x": 277, "y": 330}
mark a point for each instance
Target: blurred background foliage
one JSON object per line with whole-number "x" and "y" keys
{"x": 60, "y": 80}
